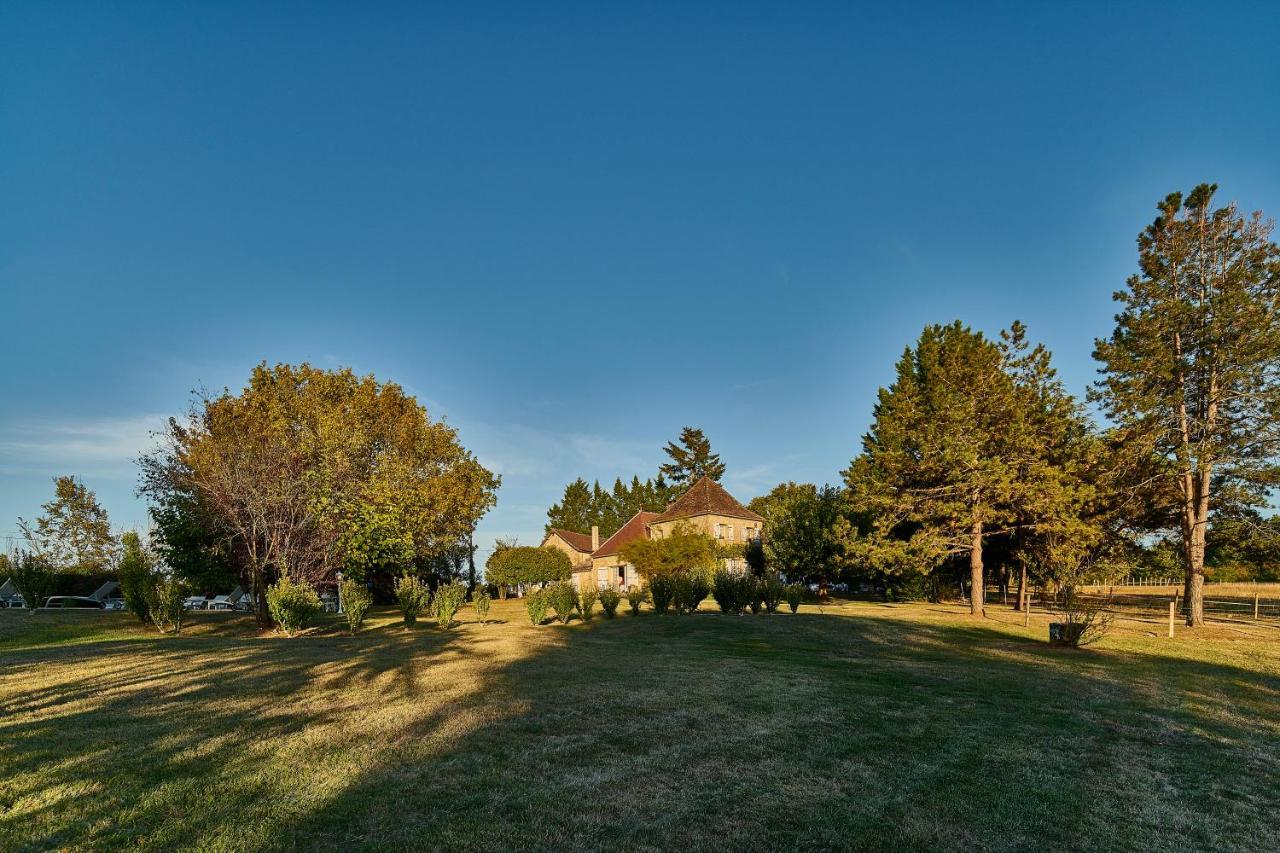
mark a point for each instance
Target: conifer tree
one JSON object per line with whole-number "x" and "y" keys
{"x": 971, "y": 441}
{"x": 691, "y": 459}
{"x": 1191, "y": 374}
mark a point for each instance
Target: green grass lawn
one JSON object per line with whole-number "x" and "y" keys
{"x": 854, "y": 726}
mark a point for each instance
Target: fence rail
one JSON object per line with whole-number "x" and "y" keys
{"x": 1250, "y": 609}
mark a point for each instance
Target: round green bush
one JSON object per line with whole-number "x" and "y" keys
{"x": 292, "y": 605}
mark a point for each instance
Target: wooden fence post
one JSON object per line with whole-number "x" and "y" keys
{"x": 1255, "y": 607}
{"x": 1172, "y": 607}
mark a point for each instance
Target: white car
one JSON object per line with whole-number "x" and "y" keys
{"x": 72, "y": 602}
{"x": 195, "y": 602}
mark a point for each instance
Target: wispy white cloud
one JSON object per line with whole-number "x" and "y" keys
{"x": 522, "y": 452}
{"x": 104, "y": 446}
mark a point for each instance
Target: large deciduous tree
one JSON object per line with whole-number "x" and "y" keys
{"x": 968, "y": 443}
{"x": 307, "y": 471}
{"x": 74, "y": 532}
{"x": 801, "y": 529}
{"x": 518, "y": 565}
{"x": 691, "y": 459}
{"x": 1191, "y": 374}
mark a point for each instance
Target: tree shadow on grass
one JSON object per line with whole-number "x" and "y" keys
{"x": 813, "y": 731}
{"x": 649, "y": 733}
{"x": 112, "y": 742}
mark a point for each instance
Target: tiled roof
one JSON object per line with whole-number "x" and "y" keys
{"x": 706, "y": 497}
{"x": 633, "y": 529}
{"x": 584, "y": 566}
{"x": 578, "y": 541}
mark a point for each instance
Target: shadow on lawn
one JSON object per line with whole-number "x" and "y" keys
{"x": 809, "y": 731}
{"x": 703, "y": 731}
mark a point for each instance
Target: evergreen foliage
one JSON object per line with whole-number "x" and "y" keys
{"x": 691, "y": 459}
{"x": 1190, "y": 373}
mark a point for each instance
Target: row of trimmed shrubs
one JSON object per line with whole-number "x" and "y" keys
{"x": 561, "y": 600}
{"x": 294, "y": 605}
{"x": 734, "y": 592}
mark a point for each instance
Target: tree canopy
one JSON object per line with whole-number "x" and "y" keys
{"x": 685, "y": 550}
{"x": 73, "y": 533}
{"x": 691, "y": 459}
{"x": 802, "y": 529}
{"x": 583, "y": 506}
{"x": 960, "y": 451}
{"x": 307, "y": 471}
{"x": 525, "y": 564}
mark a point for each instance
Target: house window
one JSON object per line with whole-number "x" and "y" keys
{"x": 732, "y": 533}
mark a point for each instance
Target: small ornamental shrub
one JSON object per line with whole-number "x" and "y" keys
{"x": 166, "y": 603}
{"x": 413, "y": 596}
{"x": 771, "y": 591}
{"x": 562, "y": 598}
{"x": 755, "y": 596}
{"x": 137, "y": 577}
{"x": 636, "y": 596}
{"x": 356, "y": 600}
{"x": 587, "y": 601}
{"x": 292, "y": 605}
{"x": 795, "y": 592}
{"x": 733, "y": 590}
{"x": 699, "y": 589}
{"x": 690, "y": 590}
{"x": 34, "y": 578}
{"x": 481, "y": 601}
{"x": 610, "y": 598}
{"x": 1081, "y": 619}
{"x": 448, "y": 601}
{"x": 536, "y": 604}
{"x": 663, "y": 592}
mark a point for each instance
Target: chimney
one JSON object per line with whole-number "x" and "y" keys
{"x": 595, "y": 538}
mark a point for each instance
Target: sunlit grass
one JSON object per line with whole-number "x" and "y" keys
{"x": 853, "y": 725}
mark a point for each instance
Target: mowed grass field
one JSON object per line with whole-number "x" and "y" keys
{"x": 853, "y": 725}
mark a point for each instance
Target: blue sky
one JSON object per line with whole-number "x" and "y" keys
{"x": 572, "y": 229}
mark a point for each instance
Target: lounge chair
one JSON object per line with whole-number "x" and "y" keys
{"x": 226, "y": 602}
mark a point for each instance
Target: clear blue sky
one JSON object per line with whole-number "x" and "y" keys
{"x": 573, "y": 229}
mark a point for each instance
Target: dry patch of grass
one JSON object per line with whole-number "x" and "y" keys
{"x": 853, "y": 725}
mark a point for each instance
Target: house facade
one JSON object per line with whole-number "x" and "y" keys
{"x": 706, "y": 506}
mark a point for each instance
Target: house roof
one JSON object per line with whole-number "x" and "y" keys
{"x": 577, "y": 541}
{"x": 633, "y": 529}
{"x": 706, "y": 497}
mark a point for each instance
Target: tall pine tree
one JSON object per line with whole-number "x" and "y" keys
{"x": 1191, "y": 374}
{"x": 691, "y": 459}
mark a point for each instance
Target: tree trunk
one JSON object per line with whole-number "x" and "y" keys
{"x": 1195, "y": 524}
{"x": 261, "y": 613}
{"x": 1195, "y": 575}
{"x": 1021, "y": 603}
{"x": 977, "y": 586}
{"x": 471, "y": 562}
